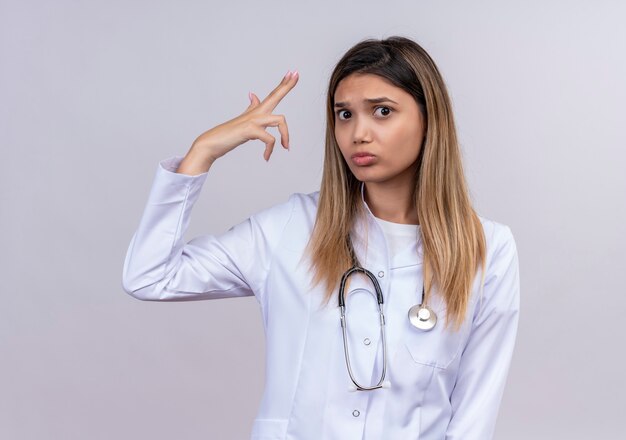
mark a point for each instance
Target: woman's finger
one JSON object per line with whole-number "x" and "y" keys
{"x": 272, "y": 100}
{"x": 276, "y": 121}
{"x": 269, "y": 141}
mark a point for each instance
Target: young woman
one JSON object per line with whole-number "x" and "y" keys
{"x": 377, "y": 323}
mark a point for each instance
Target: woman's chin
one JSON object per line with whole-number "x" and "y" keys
{"x": 370, "y": 178}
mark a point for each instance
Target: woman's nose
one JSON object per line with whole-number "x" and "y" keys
{"x": 361, "y": 131}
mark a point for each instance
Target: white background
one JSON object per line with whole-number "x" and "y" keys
{"x": 94, "y": 94}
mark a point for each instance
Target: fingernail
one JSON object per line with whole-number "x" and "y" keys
{"x": 288, "y": 74}
{"x": 250, "y": 96}
{"x": 295, "y": 73}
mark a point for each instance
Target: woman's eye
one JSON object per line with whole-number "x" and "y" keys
{"x": 340, "y": 112}
{"x": 384, "y": 113}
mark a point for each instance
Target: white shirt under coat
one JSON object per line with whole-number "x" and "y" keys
{"x": 444, "y": 385}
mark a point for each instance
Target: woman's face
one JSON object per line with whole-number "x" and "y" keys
{"x": 380, "y": 122}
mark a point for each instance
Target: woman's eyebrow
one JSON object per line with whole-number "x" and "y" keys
{"x": 370, "y": 100}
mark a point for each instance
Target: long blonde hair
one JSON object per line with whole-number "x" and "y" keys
{"x": 452, "y": 234}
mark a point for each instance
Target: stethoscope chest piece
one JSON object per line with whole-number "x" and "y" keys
{"x": 422, "y": 317}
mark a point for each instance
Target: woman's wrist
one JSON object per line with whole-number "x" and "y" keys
{"x": 196, "y": 161}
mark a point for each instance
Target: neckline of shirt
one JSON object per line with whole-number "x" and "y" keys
{"x": 397, "y": 228}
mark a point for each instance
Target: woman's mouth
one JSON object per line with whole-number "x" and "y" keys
{"x": 363, "y": 159}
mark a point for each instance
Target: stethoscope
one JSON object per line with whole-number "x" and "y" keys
{"x": 420, "y": 316}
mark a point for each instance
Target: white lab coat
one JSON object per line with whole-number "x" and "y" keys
{"x": 444, "y": 385}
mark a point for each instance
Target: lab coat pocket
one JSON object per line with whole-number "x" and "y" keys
{"x": 439, "y": 346}
{"x": 269, "y": 429}
{"x": 436, "y": 347}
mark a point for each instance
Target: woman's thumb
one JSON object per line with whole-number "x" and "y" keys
{"x": 254, "y": 100}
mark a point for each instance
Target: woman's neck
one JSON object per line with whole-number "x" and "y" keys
{"x": 392, "y": 202}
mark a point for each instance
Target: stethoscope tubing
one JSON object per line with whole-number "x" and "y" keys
{"x": 342, "y": 307}
{"x": 420, "y": 316}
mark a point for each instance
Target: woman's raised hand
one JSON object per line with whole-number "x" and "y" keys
{"x": 249, "y": 125}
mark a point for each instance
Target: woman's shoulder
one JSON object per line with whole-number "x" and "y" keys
{"x": 297, "y": 207}
{"x": 289, "y": 221}
{"x": 307, "y": 202}
{"x": 495, "y": 231}
{"x": 304, "y": 210}
{"x": 501, "y": 245}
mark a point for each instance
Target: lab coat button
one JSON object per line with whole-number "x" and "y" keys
{"x": 381, "y": 274}
{"x": 367, "y": 341}
{"x": 356, "y": 413}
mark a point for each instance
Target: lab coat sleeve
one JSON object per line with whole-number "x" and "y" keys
{"x": 486, "y": 358}
{"x": 160, "y": 266}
